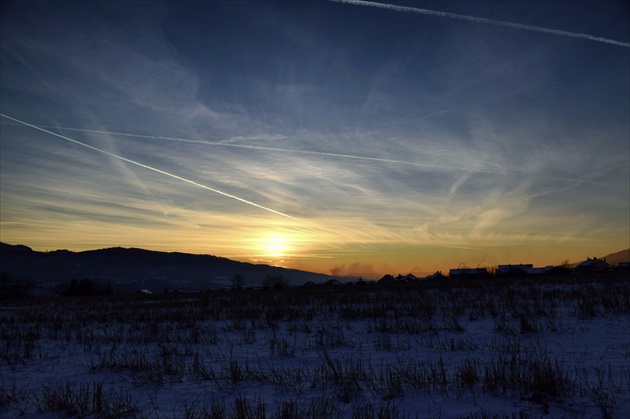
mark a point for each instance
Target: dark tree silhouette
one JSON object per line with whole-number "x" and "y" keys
{"x": 238, "y": 282}
{"x": 275, "y": 281}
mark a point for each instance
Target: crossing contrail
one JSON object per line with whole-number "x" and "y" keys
{"x": 262, "y": 148}
{"x": 199, "y": 185}
{"x": 309, "y": 152}
{"x": 513, "y": 25}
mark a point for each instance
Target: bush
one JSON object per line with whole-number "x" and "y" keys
{"x": 275, "y": 282}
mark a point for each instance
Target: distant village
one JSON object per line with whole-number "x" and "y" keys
{"x": 25, "y": 272}
{"x": 590, "y": 265}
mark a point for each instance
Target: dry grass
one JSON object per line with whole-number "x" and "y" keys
{"x": 296, "y": 343}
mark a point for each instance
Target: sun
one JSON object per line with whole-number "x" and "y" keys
{"x": 275, "y": 246}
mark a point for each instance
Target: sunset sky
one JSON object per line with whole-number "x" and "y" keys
{"x": 340, "y": 138}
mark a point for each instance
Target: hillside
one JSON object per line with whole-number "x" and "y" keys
{"x": 621, "y": 256}
{"x": 130, "y": 269}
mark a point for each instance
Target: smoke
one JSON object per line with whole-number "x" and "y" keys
{"x": 338, "y": 270}
{"x": 513, "y": 25}
{"x": 355, "y": 269}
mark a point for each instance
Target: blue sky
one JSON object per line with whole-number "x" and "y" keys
{"x": 319, "y": 135}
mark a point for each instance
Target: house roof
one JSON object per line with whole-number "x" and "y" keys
{"x": 593, "y": 263}
{"x": 519, "y": 267}
{"x": 522, "y": 268}
{"x": 437, "y": 275}
{"x": 468, "y": 271}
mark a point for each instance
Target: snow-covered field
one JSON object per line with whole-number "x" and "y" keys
{"x": 495, "y": 348}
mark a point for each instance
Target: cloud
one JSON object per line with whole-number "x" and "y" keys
{"x": 145, "y": 166}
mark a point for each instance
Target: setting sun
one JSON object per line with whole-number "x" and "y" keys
{"x": 275, "y": 246}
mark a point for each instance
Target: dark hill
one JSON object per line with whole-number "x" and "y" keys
{"x": 130, "y": 269}
{"x": 615, "y": 258}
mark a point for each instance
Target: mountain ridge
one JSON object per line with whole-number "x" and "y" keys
{"x": 130, "y": 269}
{"x": 616, "y": 257}
{"x": 135, "y": 268}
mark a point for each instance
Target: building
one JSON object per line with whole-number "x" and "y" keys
{"x": 468, "y": 273}
{"x": 438, "y": 275}
{"x": 521, "y": 269}
{"x": 592, "y": 265}
{"x": 514, "y": 270}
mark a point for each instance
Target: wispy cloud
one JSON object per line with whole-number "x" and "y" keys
{"x": 233, "y": 142}
{"x": 145, "y": 166}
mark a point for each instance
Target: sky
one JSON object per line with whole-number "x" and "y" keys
{"x": 347, "y": 138}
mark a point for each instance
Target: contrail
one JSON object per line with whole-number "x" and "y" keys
{"x": 312, "y": 225}
{"x": 464, "y": 247}
{"x": 310, "y": 152}
{"x": 256, "y": 147}
{"x": 153, "y": 169}
{"x": 513, "y": 25}
{"x": 263, "y": 148}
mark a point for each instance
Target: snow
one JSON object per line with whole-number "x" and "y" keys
{"x": 556, "y": 349}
